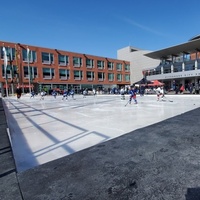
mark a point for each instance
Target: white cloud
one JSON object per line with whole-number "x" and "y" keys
{"x": 132, "y": 22}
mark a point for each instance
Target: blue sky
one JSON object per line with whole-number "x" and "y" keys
{"x": 99, "y": 27}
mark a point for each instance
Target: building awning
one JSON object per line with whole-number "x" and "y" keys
{"x": 189, "y": 47}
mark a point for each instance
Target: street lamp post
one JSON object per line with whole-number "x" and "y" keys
{"x": 11, "y": 70}
{"x": 29, "y": 71}
{"x": 5, "y": 68}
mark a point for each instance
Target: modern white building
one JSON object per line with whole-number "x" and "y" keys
{"x": 138, "y": 61}
{"x": 177, "y": 65}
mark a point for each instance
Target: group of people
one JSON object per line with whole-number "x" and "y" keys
{"x": 133, "y": 91}
{"x": 85, "y": 92}
{"x": 67, "y": 93}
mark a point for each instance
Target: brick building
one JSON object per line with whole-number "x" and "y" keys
{"x": 37, "y": 67}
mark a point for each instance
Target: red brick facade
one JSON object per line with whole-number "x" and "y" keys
{"x": 62, "y": 68}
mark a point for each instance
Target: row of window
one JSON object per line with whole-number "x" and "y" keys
{"x": 176, "y": 67}
{"x": 64, "y": 74}
{"x": 63, "y": 60}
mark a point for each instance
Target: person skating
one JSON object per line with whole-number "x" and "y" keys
{"x": 19, "y": 92}
{"x": 133, "y": 95}
{"x": 159, "y": 92}
{"x": 65, "y": 95}
{"x": 32, "y": 94}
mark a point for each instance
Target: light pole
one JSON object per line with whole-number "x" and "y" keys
{"x": 5, "y": 68}
{"x": 29, "y": 71}
{"x": 11, "y": 69}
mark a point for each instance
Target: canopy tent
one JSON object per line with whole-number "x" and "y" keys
{"x": 155, "y": 83}
{"x": 143, "y": 81}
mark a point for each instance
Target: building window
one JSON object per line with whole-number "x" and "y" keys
{"x": 89, "y": 63}
{"x": 90, "y": 76}
{"x": 100, "y": 64}
{"x": 110, "y": 76}
{"x": 10, "y": 53}
{"x": 110, "y": 65}
{"x": 47, "y": 58}
{"x": 63, "y": 60}
{"x": 64, "y": 74}
{"x": 119, "y": 67}
{"x": 119, "y": 77}
{"x": 127, "y": 67}
{"x": 11, "y": 71}
{"x": 32, "y": 56}
{"x": 78, "y": 75}
{"x": 33, "y": 72}
{"x": 101, "y": 76}
{"x": 127, "y": 77}
{"x": 48, "y": 73}
{"x": 77, "y": 62}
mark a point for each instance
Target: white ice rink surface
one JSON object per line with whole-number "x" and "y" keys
{"x": 45, "y": 130}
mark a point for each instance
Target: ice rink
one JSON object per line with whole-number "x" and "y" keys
{"x": 45, "y": 130}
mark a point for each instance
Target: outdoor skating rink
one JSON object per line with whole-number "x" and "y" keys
{"x": 44, "y": 130}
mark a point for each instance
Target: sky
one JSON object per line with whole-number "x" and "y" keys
{"x": 99, "y": 27}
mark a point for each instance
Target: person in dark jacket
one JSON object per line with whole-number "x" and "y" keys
{"x": 19, "y": 92}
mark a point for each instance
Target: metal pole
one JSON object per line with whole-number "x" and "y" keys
{"x": 5, "y": 68}
{"x": 29, "y": 72}
{"x": 6, "y": 85}
{"x": 11, "y": 69}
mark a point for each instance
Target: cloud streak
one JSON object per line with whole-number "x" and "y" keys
{"x": 132, "y": 22}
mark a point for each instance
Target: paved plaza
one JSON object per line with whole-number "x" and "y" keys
{"x": 96, "y": 148}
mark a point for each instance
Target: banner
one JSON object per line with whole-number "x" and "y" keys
{"x": 5, "y": 60}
